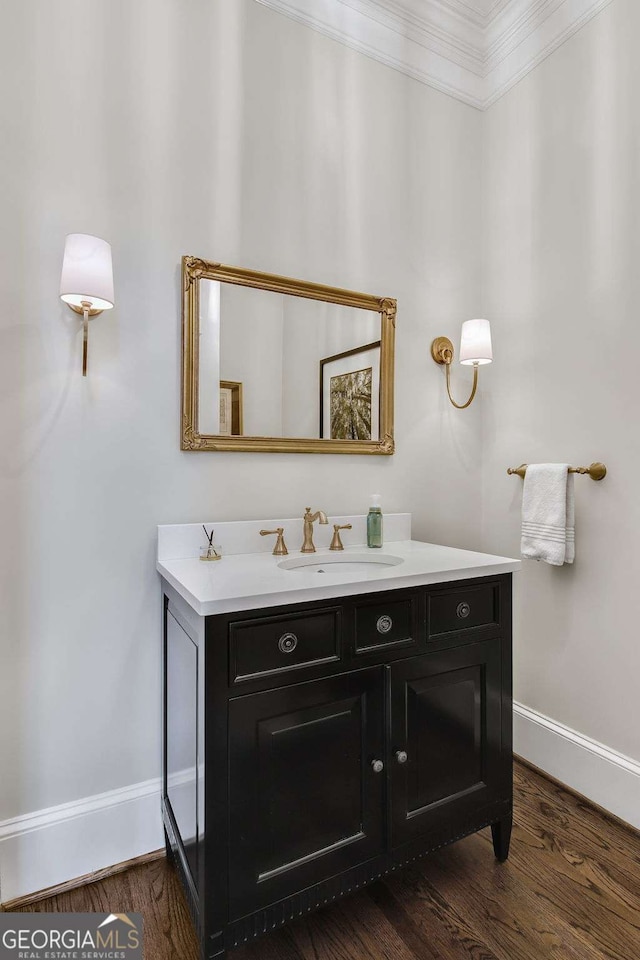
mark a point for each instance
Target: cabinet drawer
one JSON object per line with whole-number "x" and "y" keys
{"x": 464, "y": 608}
{"x": 386, "y": 622}
{"x": 273, "y": 645}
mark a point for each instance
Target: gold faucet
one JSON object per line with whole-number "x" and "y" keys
{"x": 280, "y": 549}
{"x": 309, "y": 518}
{"x": 336, "y": 543}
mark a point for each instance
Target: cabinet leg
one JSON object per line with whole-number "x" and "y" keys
{"x": 501, "y": 833}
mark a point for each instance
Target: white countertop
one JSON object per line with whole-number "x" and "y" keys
{"x": 247, "y": 581}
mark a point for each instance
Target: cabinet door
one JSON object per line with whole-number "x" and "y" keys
{"x": 305, "y": 799}
{"x": 446, "y": 718}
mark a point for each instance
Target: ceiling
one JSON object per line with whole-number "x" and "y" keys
{"x": 474, "y": 50}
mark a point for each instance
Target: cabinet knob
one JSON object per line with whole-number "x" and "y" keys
{"x": 384, "y": 624}
{"x": 401, "y": 756}
{"x": 463, "y": 610}
{"x": 287, "y": 643}
{"x": 378, "y": 766}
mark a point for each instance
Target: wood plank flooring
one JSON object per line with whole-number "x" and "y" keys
{"x": 569, "y": 891}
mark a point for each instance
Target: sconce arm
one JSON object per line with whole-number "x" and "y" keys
{"x": 86, "y": 307}
{"x": 461, "y": 406}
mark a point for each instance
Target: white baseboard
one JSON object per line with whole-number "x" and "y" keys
{"x": 49, "y": 847}
{"x": 599, "y": 773}
{"x": 42, "y": 849}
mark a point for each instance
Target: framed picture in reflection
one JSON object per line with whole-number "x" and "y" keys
{"x": 349, "y": 394}
{"x": 230, "y": 408}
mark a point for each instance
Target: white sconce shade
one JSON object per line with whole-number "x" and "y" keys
{"x": 475, "y": 342}
{"x": 475, "y": 349}
{"x": 87, "y": 272}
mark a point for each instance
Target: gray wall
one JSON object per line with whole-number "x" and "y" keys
{"x": 562, "y": 287}
{"x": 226, "y": 131}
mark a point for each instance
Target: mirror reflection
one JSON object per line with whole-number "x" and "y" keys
{"x": 276, "y": 365}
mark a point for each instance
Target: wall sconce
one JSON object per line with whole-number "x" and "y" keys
{"x": 475, "y": 349}
{"x": 86, "y": 284}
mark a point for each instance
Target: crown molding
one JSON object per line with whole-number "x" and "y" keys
{"x": 530, "y": 37}
{"x": 437, "y": 27}
{"x": 366, "y": 26}
{"x": 473, "y": 50}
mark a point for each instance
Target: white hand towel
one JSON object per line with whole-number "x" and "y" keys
{"x": 548, "y": 514}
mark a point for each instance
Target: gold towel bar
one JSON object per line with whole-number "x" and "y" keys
{"x": 597, "y": 471}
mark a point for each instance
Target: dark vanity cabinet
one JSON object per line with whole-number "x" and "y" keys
{"x": 302, "y": 803}
{"x": 311, "y": 749}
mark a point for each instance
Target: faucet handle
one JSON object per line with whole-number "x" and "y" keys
{"x": 336, "y": 542}
{"x": 280, "y": 549}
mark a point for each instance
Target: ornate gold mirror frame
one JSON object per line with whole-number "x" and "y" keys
{"x": 193, "y": 271}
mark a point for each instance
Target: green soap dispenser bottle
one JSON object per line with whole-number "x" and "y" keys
{"x": 374, "y": 522}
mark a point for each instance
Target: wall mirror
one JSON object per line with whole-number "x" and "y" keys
{"x": 278, "y": 365}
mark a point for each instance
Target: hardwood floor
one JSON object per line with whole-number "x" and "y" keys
{"x": 569, "y": 891}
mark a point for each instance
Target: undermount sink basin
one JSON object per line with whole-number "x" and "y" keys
{"x": 341, "y": 563}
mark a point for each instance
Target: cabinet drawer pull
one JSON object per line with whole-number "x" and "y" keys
{"x": 378, "y": 766}
{"x": 401, "y": 756}
{"x": 384, "y": 624}
{"x": 463, "y": 610}
{"x": 287, "y": 643}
